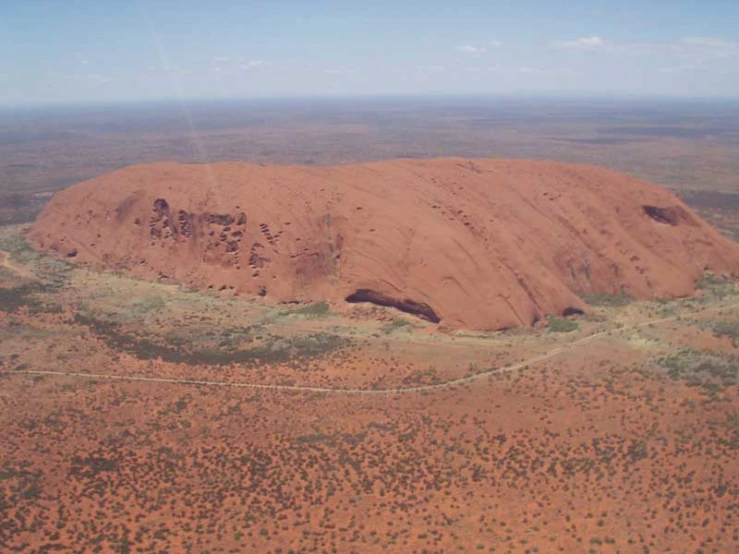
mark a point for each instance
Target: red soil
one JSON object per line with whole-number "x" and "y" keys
{"x": 480, "y": 244}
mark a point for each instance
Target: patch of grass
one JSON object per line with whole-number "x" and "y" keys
{"x": 422, "y": 377}
{"x": 715, "y": 286}
{"x": 562, "y": 324}
{"x": 230, "y": 337}
{"x": 709, "y": 280}
{"x": 12, "y": 299}
{"x": 149, "y": 305}
{"x": 702, "y": 369}
{"x": 51, "y": 271}
{"x": 26, "y": 483}
{"x": 607, "y": 300}
{"x": 319, "y": 309}
{"x": 6, "y": 274}
{"x": 728, "y": 329}
{"x": 17, "y": 246}
{"x": 275, "y": 351}
{"x": 394, "y": 325}
{"x": 91, "y": 466}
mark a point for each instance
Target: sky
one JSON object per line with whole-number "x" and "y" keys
{"x": 62, "y": 51}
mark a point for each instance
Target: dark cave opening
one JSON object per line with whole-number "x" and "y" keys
{"x": 418, "y": 309}
{"x": 662, "y": 215}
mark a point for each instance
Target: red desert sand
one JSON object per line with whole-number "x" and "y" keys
{"x": 476, "y": 244}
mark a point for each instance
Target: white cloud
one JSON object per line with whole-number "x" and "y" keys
{"x": 221, "y": 59}
{"x": 582, "y": 43}
{"x": 495, "y": 43}
{"x": 255, "y": 64}
{"x": 470, "y": 49}
{"x": 692, "y": 49}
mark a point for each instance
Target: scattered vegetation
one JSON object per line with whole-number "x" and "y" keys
{"x": 702, "y": 369}
{"x": 394, "y": 325}
{"x": 29, "y": 296}
{"x": 607, "y": 300}
{"x": 52, "y": 272}
{"x": 716, "y": 287}
{"x": 317, "y": 310}
{"x": 151, "y": 304}
{"x": 345, "y": 474}
{"x": 274, "y": 351}
{"x": 19, "y": 207}
{"x": 562, "y": 324}
{"x": 14, "y": 298}
{"x": 728, "y": 329}
{"x": 597, "y": 458}
{"x": 15, "y": 244}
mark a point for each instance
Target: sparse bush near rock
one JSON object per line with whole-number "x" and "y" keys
{"x": 593, "y": 447}
{"x": 561, "y": 324}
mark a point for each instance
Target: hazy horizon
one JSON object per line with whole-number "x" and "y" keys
{"x": 123, "y": 51}
{"x": 378, "y": 99}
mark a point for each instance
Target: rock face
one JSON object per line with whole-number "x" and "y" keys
{"x": 476, "y": 244}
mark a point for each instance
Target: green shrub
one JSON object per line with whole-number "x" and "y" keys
{"x": 319, "y": 309}
{"x": 605, "y": 299}
{"x": 727, "y": 329}
{"x": 702, "y": 369}
{"x": 14, "y": 298}
{"x": 18, "y": 247}
{"x": 148, "y": 305}
{"x": 716, "y": 287}
{"x": 562, "y": 324}
{"x": 394, "y": 325}
{"x": 275, "y": 351}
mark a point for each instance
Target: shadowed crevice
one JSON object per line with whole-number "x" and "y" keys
{"x": 668, "y": 216}
{"x": 419, "y": 309}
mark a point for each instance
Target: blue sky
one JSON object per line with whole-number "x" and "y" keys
{"x": 109, "y": 50}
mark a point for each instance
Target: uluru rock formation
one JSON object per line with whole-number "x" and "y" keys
{"x": 476, "y": 244}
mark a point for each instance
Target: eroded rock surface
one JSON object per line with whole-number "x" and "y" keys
{"x": 477, "y": 244}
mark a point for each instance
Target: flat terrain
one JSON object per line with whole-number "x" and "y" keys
{"x": 691, "y": 147}
{"x": 615, "y": 431}
{"x": 215, "y": 424}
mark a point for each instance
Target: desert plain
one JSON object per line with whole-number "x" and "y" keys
{"x": 145, "y": 414}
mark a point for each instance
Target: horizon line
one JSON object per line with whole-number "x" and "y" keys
{"x": 520, "y": 95}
